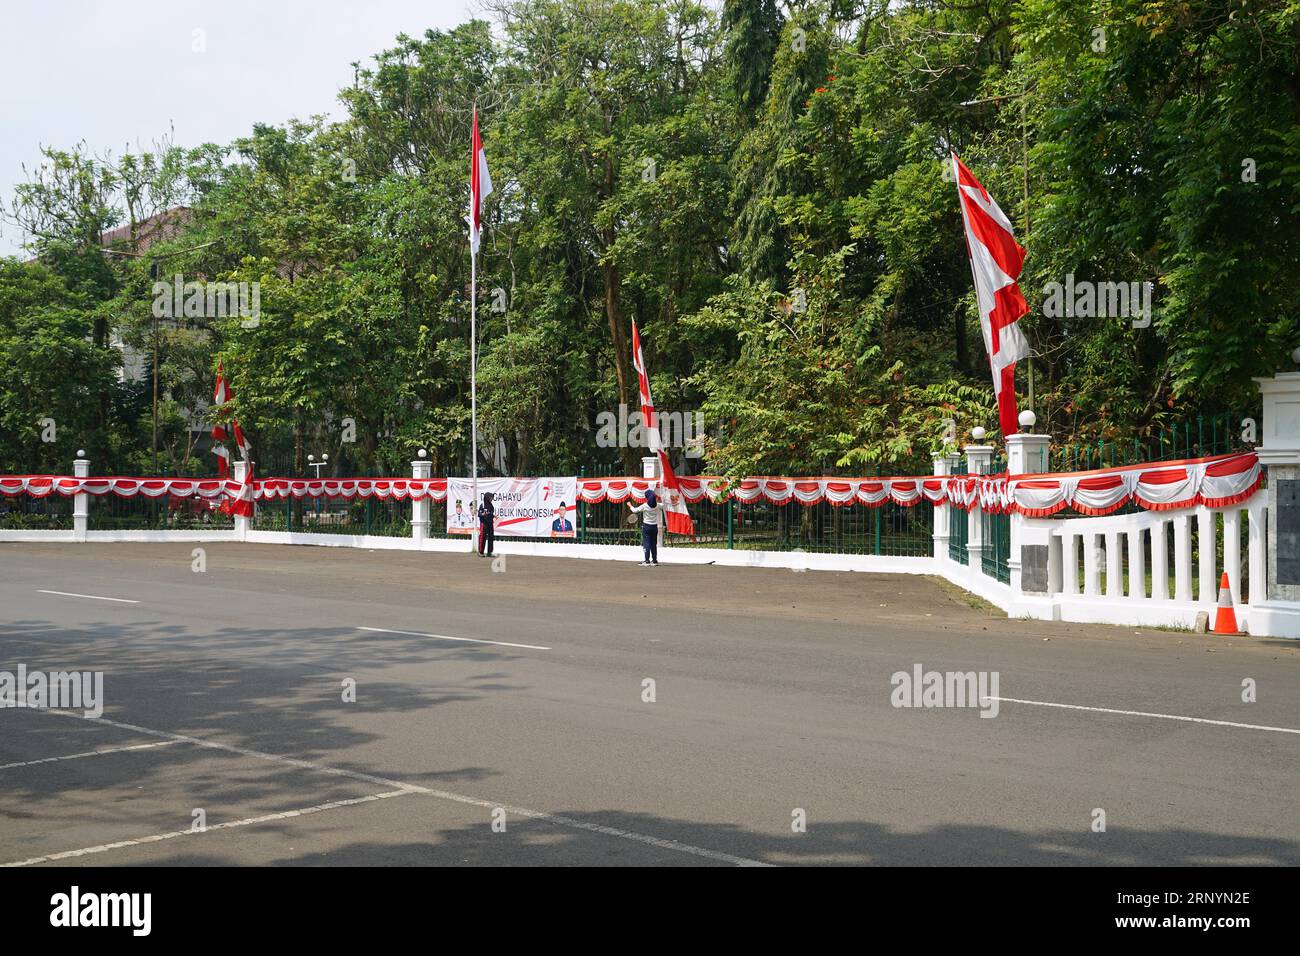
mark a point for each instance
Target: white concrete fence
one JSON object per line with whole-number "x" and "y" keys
{"x": 1148, "y": 568}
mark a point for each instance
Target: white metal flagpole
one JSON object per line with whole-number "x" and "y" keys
{"x": 473, "y": 386}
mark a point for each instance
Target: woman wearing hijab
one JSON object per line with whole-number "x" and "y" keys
{"x": 651, "y": 516}
{"x": 487, "y": 514}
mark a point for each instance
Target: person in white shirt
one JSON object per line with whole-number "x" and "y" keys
{"x": 651, "y": 518}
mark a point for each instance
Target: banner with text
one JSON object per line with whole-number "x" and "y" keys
{"x": 525, "y": 507}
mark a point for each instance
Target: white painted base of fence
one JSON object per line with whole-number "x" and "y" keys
{"x": 1275, "y": 618}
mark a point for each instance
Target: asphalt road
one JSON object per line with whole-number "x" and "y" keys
{"x": 772, "y": 695}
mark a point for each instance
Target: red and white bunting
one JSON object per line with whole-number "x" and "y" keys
{"x": 1218, "y": 482}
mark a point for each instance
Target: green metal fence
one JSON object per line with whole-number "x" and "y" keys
{"x": 24, "y": 513}
{"x": 325, "y": 515}
{"x": 958, "y": 526}
{"x": 1198, "y": 437}
{"x": 164, "y": 513}
{"x": 995, "y": 529}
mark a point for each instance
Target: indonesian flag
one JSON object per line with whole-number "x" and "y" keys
{"x": 996, "y": 261}
{"x": 679, "y": 519}
{"x": 480, "y": 187}
{"x": 221, "y": 395}
{"x": 243, "y": 503}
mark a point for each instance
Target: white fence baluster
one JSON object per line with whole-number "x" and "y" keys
{"x": 1160, "y": 561}
{"x": 1232, "y": 552}
{"x": 1183, "y": 558}
{"x": 1137, "y": 575}
{"x": 1114, "y": 566}
{"x": 1257, "y": 544}
{"x": 1206, "y": 549}
{"x": 1069, "y": 562}
{"x": 1091, "y": 570}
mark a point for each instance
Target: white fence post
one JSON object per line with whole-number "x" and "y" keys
{"x": 80, "y": 502}
{"x": 420, "y": 509}
{"x": 1275, "y": 607}
{"x": 1031, "y": 560}
{"x": 978, "y": 460}
{"x": 942, "y": 510}
{"x": 240, "y": 473}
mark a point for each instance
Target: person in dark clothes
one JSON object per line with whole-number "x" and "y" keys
{"x": 651, "y": 517}
{"x": 487, "y": 514}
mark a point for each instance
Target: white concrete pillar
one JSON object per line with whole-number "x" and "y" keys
{"x": 1183, "y": 557}
{"x": 1091, "y": 565}
{"x": 979, "y": 458}
{"x": 239, "y": 471}
{"x": 1137, "y": 569}
{"x": 1275, "y": 608}
{"x": 1027, "y": 454}
{"x": 1159, "y": 561}
{"x": 1069, "y": 561}
{"x": 1232, "y": 552}
{"x": 1114, "y": 566}
{"x": 421, "y": 468}
{"x": 942, "y": 510}
{"x": 80, "y": 502}
{"x": 1207, "y": 531}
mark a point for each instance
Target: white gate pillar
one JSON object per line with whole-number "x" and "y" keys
{"x": 420, "y": 508}
{"x": 242, "y": 522}
{"x": 943, "y": 465}
{"x": 80, "y": 502}
{"x": 1279, "y": 614}
{"x": 1032, "y": 565}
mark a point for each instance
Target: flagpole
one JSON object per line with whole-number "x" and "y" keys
{"x": 473, "y": 380}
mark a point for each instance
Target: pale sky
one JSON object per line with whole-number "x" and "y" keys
{"x": 126, "y": 72}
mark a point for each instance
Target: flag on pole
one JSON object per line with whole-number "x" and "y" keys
{"x": 221, "y": 395}
{"x": 679, "y": 519}
{"x": 480, "y": 187}
{"x": 243, "y": 503}
{"x": 996, "y": 261}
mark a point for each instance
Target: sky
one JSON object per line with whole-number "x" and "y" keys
{"x": 131, "y": 71}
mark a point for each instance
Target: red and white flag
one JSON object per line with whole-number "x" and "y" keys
{"x": 243, "y": 503}
{"x": 679, "y": 519}
{"x": 996, "y": 261}
{"x": 480, "y": 187}
{"x": 221, "y": 395}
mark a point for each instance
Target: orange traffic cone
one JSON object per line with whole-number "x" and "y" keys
{"x": 1225, "y": 620}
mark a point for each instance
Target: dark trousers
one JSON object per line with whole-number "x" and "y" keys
{"x": 650, "y": 542}
{"x": 486, "y": 538}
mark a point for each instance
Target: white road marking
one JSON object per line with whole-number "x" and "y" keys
{"x": 93, "y": 597}
{"x": 445, "y": 637}
{"x": 90, "y": 753}
{"x": 1141, "y": 713}
{"x": 230, "y": 825}
{"x": 416, "y": 788}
